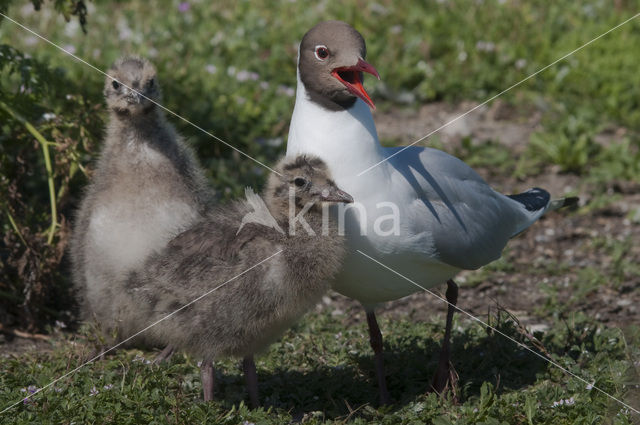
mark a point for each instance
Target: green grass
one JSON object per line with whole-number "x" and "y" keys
{"x": 231, "y": 71}
{"x": 325, "y": 371}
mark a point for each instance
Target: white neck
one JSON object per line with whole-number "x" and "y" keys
{"x": 346, "y": 140}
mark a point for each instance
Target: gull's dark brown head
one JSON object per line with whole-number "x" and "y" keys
{"x": 308, "y": 179}
{"x": 131, "y": 87}
{"x": 331, "y": 65}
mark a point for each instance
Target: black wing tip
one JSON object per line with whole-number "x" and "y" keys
{"x": 571, "y": 202}
{"x": 533, "y": 199}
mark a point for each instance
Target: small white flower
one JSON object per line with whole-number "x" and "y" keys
{"x": 211, "y": 69}
{"x": 217, "y": 38}
{"x": 243, "y": 75}
{"x": 141, "y": 359}
{"x": 27, "y": 9}
{"x": 71, "y": 28}
{"x": 521, "y": 63}
{"x": 462, "y": 56}
{"x": 485, "y": 46}
{"x": 286, "y": 90}
{"x": 30, "y": 41}
{"x": 566, "y": 402}
{"x": 124, "y": 31}
{"x": 379, "y": 9}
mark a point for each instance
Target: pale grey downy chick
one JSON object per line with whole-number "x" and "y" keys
{"x": 146, "y": 189}
{"x": 252, "y": 310}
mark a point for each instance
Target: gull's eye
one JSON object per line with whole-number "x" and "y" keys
{"x": 299, "y": 181}
{"x": 322, "y": 52}
{"x": 115, "y": 84}
{"x": 152, "y": 82}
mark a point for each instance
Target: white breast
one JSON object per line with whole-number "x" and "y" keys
{"x": 347, "y": 141}
{"x": 125, "y": 233}
{"x": 136, "y": 215}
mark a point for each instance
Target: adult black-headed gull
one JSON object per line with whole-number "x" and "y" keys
{"x": 420, "y": 211}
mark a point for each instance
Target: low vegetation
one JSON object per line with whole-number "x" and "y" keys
{"x": 231, "y": 71}
{"x": 322, "y": 371}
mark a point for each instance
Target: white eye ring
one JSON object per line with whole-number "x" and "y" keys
{"x": 321, "y": 52}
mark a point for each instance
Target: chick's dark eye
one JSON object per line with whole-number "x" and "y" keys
{"x": 115, "y": 85}
{"x": 322, "y": 52}
{"x": 151, "y": 82}
{"x": 299, "y": 181}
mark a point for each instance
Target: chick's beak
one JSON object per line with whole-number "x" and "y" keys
{"x": 351, "y": 78}
{"x": 132, "y": 96}
{"x": 333, "y": 194}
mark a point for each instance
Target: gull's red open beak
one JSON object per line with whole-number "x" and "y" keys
{"x": 351, "y": 77}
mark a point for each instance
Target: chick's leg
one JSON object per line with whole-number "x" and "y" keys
{"x": 207, "y": 375}
{"x": 251, "y": 377}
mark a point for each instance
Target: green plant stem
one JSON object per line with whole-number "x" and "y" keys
{"x": 15, "y": 226}
{"x": 52, "y": 190}
{"x": 47, "y": 163}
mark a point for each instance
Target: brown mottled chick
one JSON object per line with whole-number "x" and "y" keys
{"x": 250, "y": 305}
{"x": 146, "y": 189}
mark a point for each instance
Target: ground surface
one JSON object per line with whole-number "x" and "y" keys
{"x": 572, "y": 278}
{"x": 568, "y": 264}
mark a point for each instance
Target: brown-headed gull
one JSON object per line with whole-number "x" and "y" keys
{"x": 418, "y": 210}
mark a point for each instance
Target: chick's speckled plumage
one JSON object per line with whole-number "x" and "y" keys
{"x": 147, "y": 187}
{"x": 248, "y": 310}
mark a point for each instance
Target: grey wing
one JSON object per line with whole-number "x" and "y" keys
{"x": 470, "y": 223}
